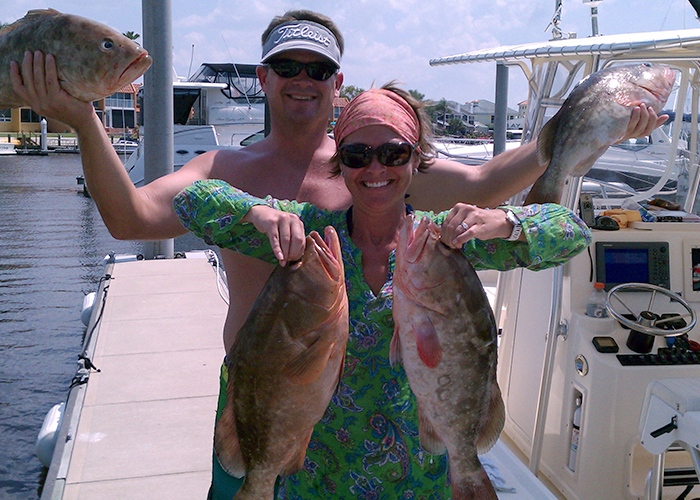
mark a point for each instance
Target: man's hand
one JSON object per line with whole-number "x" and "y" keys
{"x": 36, "y": 82}
{"x": 642, "y": 122}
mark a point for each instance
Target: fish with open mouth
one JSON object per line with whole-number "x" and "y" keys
{"x": 93, "y": 60}
{"x": 283, "y": 368}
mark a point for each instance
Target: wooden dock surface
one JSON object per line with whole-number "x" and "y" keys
{"x": 146, "y": 424}
{"x": 142, "y": 427}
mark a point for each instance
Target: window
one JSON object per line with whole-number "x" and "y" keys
{"x": 5, "y": 115}
{"x": 29, "y": 116}
{"x": 120, "y": 100}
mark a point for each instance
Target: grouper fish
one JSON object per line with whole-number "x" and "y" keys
{"x": 593, "y": 117}
{"x": 283, "y": 368}
{"x": 92, "y": 60}
{"x": 445, "y": 335}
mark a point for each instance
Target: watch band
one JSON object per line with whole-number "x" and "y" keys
{"x": 517, "y": 225}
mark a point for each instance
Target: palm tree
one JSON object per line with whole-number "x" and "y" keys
{"x": 131, "y": 35}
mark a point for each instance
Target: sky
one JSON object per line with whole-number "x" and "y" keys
{"x": 384, "y": 39}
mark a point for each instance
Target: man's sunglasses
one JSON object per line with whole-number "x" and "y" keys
{"x": 390, "y": 154}
{"x": 288, "y": 68}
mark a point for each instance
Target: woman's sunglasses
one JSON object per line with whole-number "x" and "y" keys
{"x": 288, "y": 68}
{"x": 390, "y": 154}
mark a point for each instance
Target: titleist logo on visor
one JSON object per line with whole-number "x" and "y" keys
{"x": 302, "y": 35}
{"x": 288, "y": 32}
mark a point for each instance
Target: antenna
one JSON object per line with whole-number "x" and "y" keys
{"x": 240, "y": 82}
{"x": 189, "y": 71}
{"x": 594, "y": 14}
{"x": 557, "y": 33}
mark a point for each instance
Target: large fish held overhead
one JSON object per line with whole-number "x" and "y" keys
{"x": 445, "y": 334}
{"x": 93, "y": 60}
{"x": 284, "y": 367}
{"x": 592, "y": 118}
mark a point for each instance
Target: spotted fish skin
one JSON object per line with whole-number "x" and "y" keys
{"x": 445, "y": 335}
{"x": 93, "y": 60}
{"x": 594, "y": 116}
{"x": 283, "y": 367}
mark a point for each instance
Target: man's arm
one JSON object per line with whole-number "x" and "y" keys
{"x": 128, "y": 212}
{"x": 448, "y": 182}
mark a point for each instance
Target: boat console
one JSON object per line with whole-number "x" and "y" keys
{"x": 597, "y": 366}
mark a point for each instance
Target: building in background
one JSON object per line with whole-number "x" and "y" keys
{"x": 118, "y": 113}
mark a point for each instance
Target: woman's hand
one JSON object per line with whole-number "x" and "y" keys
{"x": 36, "y": 82}
{"x": 465, "y": 222}
{"x": 284, "y": 230}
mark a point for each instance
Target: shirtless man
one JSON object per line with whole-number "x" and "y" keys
{"x": 290, "y": 163}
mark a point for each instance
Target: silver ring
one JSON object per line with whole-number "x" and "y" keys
{"x": 464, "y": 225}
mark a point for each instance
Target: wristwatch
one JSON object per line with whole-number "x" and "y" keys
{"x": 517, "y": 225}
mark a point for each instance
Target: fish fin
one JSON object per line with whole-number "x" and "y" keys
{"x": 477, "y": 485}
{"x": 429, "y": 439}
{"x": 494, "y": 420}
{"x": 545, "y": 190}
{"x": 41, "y": 12}
{"x": 545, "y": 140}
{"x": 226, "y": 445}
{"x": 428, "y": 343}
{"x": 296, "y": 461}
{"x": 395, "y": 348}
{"x": 306, "y": 367}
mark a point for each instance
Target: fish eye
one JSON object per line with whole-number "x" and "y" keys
{"x": 107, "y": 44}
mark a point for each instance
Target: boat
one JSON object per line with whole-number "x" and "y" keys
{"x": 7, "y": 148}
{"x": 125, "y": 146}
{"x": 220, "y": 106}
{"x": 590, "y": 409}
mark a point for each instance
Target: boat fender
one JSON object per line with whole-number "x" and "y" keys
{"x": 88, "y": 303}
{"x": 48, "y": 435}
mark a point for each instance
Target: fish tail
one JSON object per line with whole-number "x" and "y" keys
{"x": 476, "y": 487}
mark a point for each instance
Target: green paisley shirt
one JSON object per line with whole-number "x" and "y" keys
{"x": 366, "y": 445}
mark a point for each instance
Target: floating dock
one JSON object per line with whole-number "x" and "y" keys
{"x": 142, "y": 426}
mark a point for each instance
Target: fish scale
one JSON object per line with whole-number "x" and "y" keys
{"x": 446, "y": 338}
{"x": 93, "y": 60}
{"x": 594, "y": 116}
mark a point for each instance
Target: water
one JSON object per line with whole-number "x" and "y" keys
{"x": 52, "y": 246}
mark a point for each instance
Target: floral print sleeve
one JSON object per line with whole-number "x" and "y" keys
{"x": 213, "y": 209}
{"x": 554, "y": 234}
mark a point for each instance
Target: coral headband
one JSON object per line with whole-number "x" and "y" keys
{"x": 378, "y": 107}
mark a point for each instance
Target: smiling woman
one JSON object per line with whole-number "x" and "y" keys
{"x": 369, "y": 438}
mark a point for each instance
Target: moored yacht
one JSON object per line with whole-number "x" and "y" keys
{"x": 609, "y": 407}
{"x": 220, "y": 106}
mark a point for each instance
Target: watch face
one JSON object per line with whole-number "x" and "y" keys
{"x": 517, "y": 227}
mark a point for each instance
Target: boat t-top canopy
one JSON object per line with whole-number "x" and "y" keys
{"x": 679, "y": 44}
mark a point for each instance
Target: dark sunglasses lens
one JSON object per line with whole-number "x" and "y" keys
{"x": 355, "y": 155}
{"x": 320, "y": 71}
{"x": 286, "y": 68}
{"x": 393, "y": 155}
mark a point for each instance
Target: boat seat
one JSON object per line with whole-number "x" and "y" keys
{"x": 670, "y": 414}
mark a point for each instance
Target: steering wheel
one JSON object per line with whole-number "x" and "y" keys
{"x": 647, "y": 321}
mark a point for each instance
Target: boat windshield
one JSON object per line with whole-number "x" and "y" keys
{"x": 241, "y": 80}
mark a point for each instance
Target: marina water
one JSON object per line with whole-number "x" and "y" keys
{"x": 52, "y": 246}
